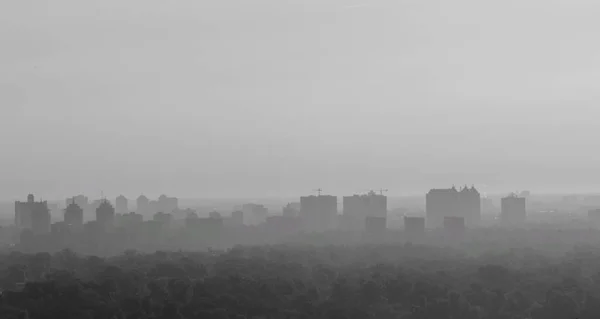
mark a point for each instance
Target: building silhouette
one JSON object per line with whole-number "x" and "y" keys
{"x": 358, "y": 208}
{"x": 121, "y": 205}
{"x": 414, "y": 226}
{"x": 167, "y": 204}
{"x": 143, "y": 205}
{"x": 513, "y": 210}
{"x": 237, "y": 218}
{"x": 32, "y": 215}
{"x": 105, "y": 215}
{"x": 255, "y": 214}
{"x": 291, "y": 210}
{"x": 441, "y": 203}
{"x": 73, "y": 216}
{"x": 318, "y": 213}
{"x": 81, "y": 201}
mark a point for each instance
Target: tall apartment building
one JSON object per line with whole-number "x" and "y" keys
{"x": 358, "y": 208}
{"x": 441, "y": 203}
{"x": 513, "y": 210}
{"x": 318, "y": 213}
{"x": 32, "y": 215}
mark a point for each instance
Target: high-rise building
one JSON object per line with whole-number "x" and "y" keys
{"x": 105, "y": 215}
{"x": 143, "y": 205}
{"x": 255, "y": 214}
{"x": 358, "y": 208}
{"x": 121, "y": 205}
{"x": 81, "y": 201}
{"x": 291, "y": 210}
{"x": 414, "y": 226}
{"x": 513, "y": 210}
{"x": 441, "y": 203}
{"x": 237, "y": 218}
{"x": 167, "y": 204}
{"x": 73, "y": 215}
{"x": 32, "y": 215}
{"x": 318, "y": 213}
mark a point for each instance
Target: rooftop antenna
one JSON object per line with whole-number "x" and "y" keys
{"x": 381, "y": 191}
{"x": 318, "y": 190}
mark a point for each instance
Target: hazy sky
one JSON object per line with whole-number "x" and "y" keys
{"x": 278, "y": 97}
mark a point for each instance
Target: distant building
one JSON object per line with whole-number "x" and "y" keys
{"x": 487, "y": 206}
{"x": 318, "y": 213}
{"x": 163, "y": 219}
{"x": 73, "y": 215}
{"x": 81, "y": 201}
{"x": 130, "y": 220}
{"x": 143, "y": 205}
{"x": 32, "y": 215}
{"x": 441, "y": 203}
{"x": 291, "y": 210}
{"x": 167, "y": 204}
{"x": 237, "y": 218}
{"x": 414, "y": 226}
{"x": 105, "y": 215}
{"x": 254, "y": 214}
{"x": 121, "y": 205}
{"x": 513, "y": 210}
{"x": 358, "y": 208}
{"x": 454, "y": 225}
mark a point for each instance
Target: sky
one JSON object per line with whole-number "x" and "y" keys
{"x": 279, "y": 97}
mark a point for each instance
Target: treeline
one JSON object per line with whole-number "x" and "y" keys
{"x": 302, "y": 281}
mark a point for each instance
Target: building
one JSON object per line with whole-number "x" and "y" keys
{"x": 32, "y": 215}
{"x": 255, "y": 214}
{"x": 73, "y": 216}
{"x": 454, "y": 225}
{"x": 143, "y": 205}
{"x": 121, "y": 205}
{"x": 358, "y": 208}
{"x": 414, "y": 226}
{"x": 130, "y": 220}
{"x": 441, "y": 203}
{"x": 237, "y": 218}
{"x": 318, "y": 213}
{"x": 291, "y": 210}
{"x": 164, "y": 219}
{"x": 167, "y": 204}
{"x": 513, "y": 210}
{"x": 81, "y": 201}
{"x": 105, "y": 215}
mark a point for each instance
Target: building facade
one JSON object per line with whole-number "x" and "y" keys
{"x": 32, "y": 215}
{"x": 441, "y": 203}
{"x": 318, "y": 213}
{"x": 513, "y": 210}
{"x": 357, "y": 208}
{"x": 73, "y": 216}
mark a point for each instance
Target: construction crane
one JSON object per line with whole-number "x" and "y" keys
{"x": 318, "y": 190}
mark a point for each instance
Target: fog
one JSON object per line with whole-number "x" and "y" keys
{"x": 299, "y": 159}
{"x": 276, "y": 98}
